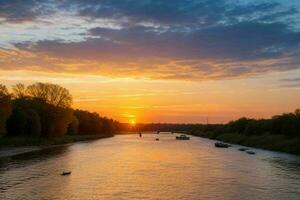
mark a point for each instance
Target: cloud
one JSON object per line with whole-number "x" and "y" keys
{"x": 290, "y": 83}
{"x": 243, "y": 41}
{"x": 16, "y": 11}
{"x": 181, "y": 13}
{"x": 295, "y": 85}
{"x": 160, "y": 39}
{"x": 290, "y": 80}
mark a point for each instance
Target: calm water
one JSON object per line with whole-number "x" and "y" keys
{"x": 128, "y": 167}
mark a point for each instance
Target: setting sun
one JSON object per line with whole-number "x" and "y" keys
{"x": 132, "y": 122}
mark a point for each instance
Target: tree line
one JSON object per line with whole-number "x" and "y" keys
{"x": 287, "y": 124}
{"x": 44, "y": 110}
{"x": 280, "y": 132}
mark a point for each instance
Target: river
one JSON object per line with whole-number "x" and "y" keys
{"x": 129, "y": 167}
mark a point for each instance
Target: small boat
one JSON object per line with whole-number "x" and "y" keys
{"x": 157, "y": 139}
{"x": 243, "y": 149}
{"x": 222, "y": 145}
{"x": 65, "y": 173}
{"x": 182, "y": 137}
{"x": 250, "y": 152}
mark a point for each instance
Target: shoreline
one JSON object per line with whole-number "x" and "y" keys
{"x": 266, "y": 141}
{"x": 9, "y": 149}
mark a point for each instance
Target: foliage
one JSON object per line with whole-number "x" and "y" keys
{"x": 73, "y": 126}
{"x": 16, "y": 124}
{"x": 92, "y": 123}
{"x": 51, "y": 93}
{"x": 5, "y": 107}
{"x": 44, "y": 110}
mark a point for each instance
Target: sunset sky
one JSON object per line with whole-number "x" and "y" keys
{"x": 158, "y": 60}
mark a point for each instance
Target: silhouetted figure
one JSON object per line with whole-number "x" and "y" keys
{"x": 140, "y": 134}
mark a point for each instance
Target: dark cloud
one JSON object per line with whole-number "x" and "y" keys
{"x": 16, "y": 11}
{"x": 218, "y": 52}
{"x": 172, "y": 38}
{"x": 173, "y": 13}
{"x": 243, "y": 42}
{"x": 156, "y": 11}
{"x": 181, "y": 13}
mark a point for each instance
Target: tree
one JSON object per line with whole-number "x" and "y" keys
{"x": 51, "y": 93}
{"x": 239, "y": 125}
{"x": 5, "y": 108}
{"x": 16, "y": 124}
{"x": 62, "y": 118}
{"x": 19, "y": 91}
{"x": 33, "y": 125}
{"x": 297, "y": 112}
{"x": 73, "y": 126}
{"x": 3, "y": 91}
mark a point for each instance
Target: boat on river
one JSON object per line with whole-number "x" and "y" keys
{"x": 222, "y": 145}
{"x": 251, "y": 152}
{"x": 182, "y": 137}
{"x": 65, "y": 173}
{"x": 243, "y": 149}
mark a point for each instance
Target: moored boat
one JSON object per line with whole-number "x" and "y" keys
{"x": 222, "y": 145}
{"x": 251, "y": 152}
{"x": 182, "y": 137}
{"x": 65, "y": 173}
{"x": 243, "y": 149}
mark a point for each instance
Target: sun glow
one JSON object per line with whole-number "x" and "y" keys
{"x": 132, "y": 122}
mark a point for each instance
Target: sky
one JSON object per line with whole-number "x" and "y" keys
{"x": 177, "y": 61}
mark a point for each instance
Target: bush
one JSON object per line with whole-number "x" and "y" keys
{"x": 16, "y": 124}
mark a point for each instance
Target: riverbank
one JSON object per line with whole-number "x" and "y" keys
{"x": 265, "y": 141}
{"x": 10, "y": 146}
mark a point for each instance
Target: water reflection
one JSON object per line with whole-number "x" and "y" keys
{"x": 31, "y": 158}
{"x": 129, "y": 167}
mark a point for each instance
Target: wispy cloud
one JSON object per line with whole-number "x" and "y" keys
{"x": 290, "y": 83}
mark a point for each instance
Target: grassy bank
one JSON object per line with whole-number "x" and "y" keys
{"x": 264, "y": 141}
{"x": 35, "y": 141}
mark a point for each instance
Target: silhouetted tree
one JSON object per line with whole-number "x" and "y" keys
{"x": 92, "y": 123}
{"x": 62, "y": 118}
{"x": 16, "y": 124}
{"x": 52, "y": 93}
{"x": 43, "y": 109}
{"x": 5, "y": 108}
{"x": 33, "y": 126}
{"x": 19, "y": 91}
{"x": 73, "y": 126}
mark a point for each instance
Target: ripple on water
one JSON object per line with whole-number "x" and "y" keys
{"x": 129, "y": 167}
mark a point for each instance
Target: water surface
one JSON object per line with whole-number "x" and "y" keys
{"x": 129, "y": 167}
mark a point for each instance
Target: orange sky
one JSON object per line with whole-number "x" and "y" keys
{"x": 145, "y": 100}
